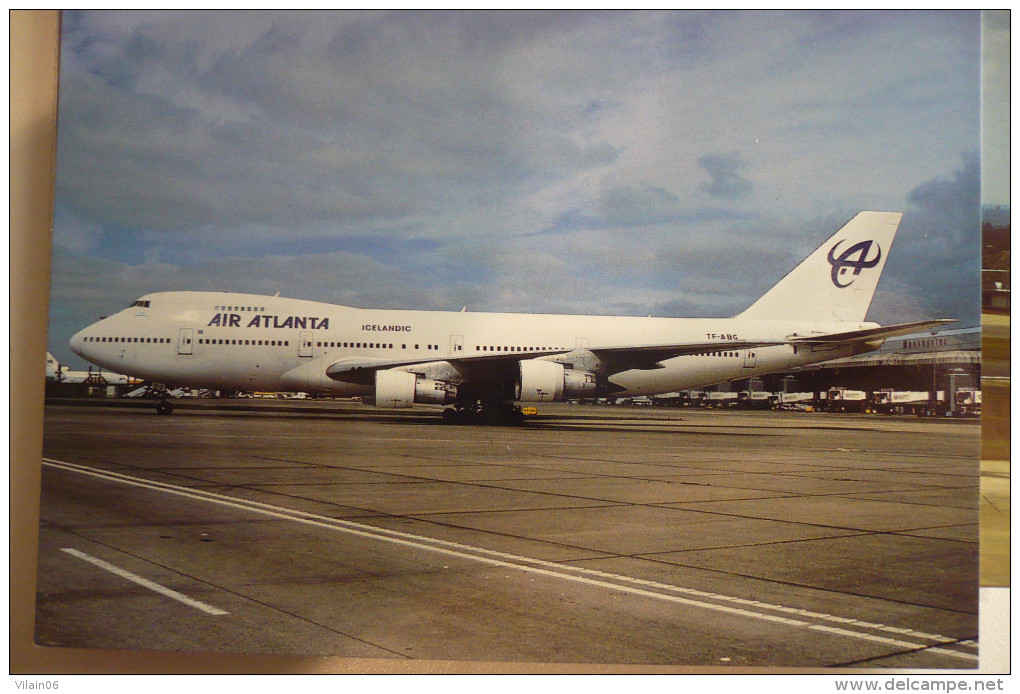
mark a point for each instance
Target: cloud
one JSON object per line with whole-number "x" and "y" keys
{"x": 952, "y": 202}
{"x": 937, "y": 254}
{"x": 221, "y": 121}
{"x": 726, "y": 183}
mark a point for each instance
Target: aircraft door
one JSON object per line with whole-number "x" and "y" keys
{"x": 184, "y": 340}
{"x": 456, "y": 344}
{"x": 749, "y": 358}
{"x": 305, "y": 343}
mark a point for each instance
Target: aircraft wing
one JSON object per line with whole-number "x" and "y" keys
{"x": 362, "y": 370}
{"x": 869, "y": 334}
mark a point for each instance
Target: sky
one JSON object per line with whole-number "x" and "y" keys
{"x": 618, "y": 163}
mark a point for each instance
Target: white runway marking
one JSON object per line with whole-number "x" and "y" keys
{"x": 151, "y": 585}
{"x": 753, "y": 609}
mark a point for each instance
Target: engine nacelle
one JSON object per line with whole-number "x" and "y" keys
{"x": 549, "y": 381}
{"x": 394, "y": 388}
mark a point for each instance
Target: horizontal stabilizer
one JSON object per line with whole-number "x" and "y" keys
{"x": 869, "y": 334}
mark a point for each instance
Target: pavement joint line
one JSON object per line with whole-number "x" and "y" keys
{"x": 145, "y": 583}
{"x": 542, "y": 567}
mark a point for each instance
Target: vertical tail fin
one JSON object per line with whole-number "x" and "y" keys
{"x": 838, "y": 280}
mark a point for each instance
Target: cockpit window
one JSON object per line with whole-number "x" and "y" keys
{"x": 143, "y": 304}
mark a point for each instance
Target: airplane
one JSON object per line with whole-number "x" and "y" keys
{"x": 53, "y": 368}
{"x": 484, "y": 366}
{"x": 55, "y": 371}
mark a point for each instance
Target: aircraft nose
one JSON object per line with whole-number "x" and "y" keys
{"x": 77, "y": 343}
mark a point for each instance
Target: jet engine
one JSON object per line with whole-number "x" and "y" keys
{"x": 395, "y": 388}
{"x": 549, "y": 381}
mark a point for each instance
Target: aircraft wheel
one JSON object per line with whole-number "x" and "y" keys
{"x": 451, "y": 416}
{"x": 164, "y": 407}
{"x": 510, "y": 415}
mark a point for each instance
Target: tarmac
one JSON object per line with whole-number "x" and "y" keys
{"x": 591, "y": 537}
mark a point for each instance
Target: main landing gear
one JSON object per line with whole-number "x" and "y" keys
{"x": 506, "y": 414}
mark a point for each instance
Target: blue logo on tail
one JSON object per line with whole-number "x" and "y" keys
{"x": 855, "y": 257}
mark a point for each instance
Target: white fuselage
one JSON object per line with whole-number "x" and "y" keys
{"x": 249, "y": 342}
